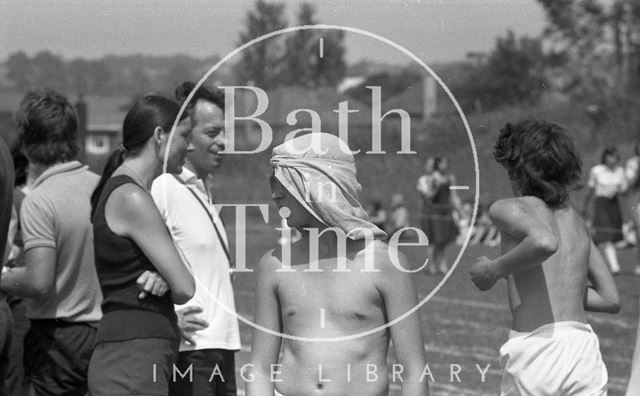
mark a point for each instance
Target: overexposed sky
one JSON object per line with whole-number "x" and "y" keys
{"x": 435, "y": 30}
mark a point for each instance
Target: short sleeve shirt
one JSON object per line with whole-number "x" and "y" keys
{"x": 56, "y": 215}
{"x": 607, "y": 182}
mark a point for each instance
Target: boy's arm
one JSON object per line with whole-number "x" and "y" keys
{"x": 265, "y": 347}
{"x": 602, "y": 294}
{"x": 535, "y": 243}
{"x": 37, "y": 278}
{"x": 400, "y": 296}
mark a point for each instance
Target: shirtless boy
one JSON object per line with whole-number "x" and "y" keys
{"x": 321, "y": 290}
{"x": 555, "y": 273}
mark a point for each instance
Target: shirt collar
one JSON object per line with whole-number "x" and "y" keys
{"x": 187, "y": 176}
{"x": 57, "y": 169}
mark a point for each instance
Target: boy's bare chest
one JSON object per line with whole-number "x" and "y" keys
{"x": 330, "y": 296}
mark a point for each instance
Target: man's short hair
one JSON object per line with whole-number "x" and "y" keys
{"x": 48, "y": 125}
{"x": 541, "y": 158}
{"x": 215, "y": 96}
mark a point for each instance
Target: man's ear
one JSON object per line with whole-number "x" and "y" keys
{"x": 159, "y": 136}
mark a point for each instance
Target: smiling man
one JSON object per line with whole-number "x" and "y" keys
{"x": 210, "y": 334}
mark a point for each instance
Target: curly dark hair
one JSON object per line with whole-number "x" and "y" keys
{"x": 541, "y": 158}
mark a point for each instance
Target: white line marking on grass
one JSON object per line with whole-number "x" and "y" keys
{"x": 458, "y": 187}
{"x": 321, "y": 47}
{"x": 470, "y": 303}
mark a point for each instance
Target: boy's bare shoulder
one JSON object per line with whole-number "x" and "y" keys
{"x": 269, "y": 263}
{"x": 512, "y": 207}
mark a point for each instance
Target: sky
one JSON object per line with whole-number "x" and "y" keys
{"x": 434, "y": 30}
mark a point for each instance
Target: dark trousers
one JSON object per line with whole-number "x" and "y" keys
{"x": 56, "y": 357}
{"x": 6, "y": 330}
{"x": 141, "y": 366}
{"x": 205, "y": 372}
{"x": 15, "y": 371}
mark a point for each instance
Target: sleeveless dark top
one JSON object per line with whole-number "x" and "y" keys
{"x": 119, "y": 263}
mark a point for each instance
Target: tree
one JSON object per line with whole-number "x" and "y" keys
{"x": 516, "y": 69}
{"x": 600, "y": 40}
{"x": 307, "y": 63}
{"x": 19, "y": 71}
{"x": 49, "y": 71}
{"x": 87, "y": 77}
{"x": 515, "y": 72}
{"x": 261, "y": 63}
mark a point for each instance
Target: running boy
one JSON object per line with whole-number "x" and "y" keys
{"x": 555, "y": 273}
{"x": 321, "y": 290}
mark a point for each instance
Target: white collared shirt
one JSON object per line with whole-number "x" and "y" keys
{"x": 607, "y": 182}
{"x": 196, "y": 238}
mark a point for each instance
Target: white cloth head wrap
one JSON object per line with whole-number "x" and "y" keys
{"x": 318, "y": 169}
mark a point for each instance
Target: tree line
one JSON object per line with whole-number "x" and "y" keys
{"x": 589, "y": 50}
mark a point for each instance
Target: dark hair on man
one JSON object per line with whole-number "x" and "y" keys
{"x": 541, "y": 158}
{"x": 48, "y": 125}
{"x": 215, "y": 96}
{"x": 610, "y": 150}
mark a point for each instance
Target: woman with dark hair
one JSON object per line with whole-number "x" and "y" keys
{"x": 607, "y": 182}
{"x": 632, "y": 172}
{"x": 438, "y": 221}
{"x": 138, "y": 337}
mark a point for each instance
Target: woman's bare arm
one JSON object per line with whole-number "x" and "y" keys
{"x": 131, "y": 212}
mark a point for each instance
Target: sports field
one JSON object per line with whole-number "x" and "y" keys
{"x": 464, "y": 328}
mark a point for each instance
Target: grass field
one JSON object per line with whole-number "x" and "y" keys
{"x": 465, "y": 327}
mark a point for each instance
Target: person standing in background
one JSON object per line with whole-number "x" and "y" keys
{"x": 377, "y": 214}
{"x": 6, "y": 206}
{"x": 440, "y": 224}
{"x": 399, "y": 213}
{"x": 607, "y": 181}
{"x": 22, "y": 186}
{"x": 632, "y": 173}
{"x": 426, "y": 188}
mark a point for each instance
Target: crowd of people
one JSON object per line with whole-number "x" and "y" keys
{"x": 123, "y": 279}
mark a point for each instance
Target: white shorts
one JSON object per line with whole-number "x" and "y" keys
{"x": 556, "y": 359}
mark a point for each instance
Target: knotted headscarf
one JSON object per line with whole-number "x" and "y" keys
{"x": 318, "y": 169}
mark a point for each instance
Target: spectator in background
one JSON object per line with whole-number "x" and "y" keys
{"x": 606, "y": 183}
{"x": 6, "y": 206}
{"x": 377, "y": 214}
{"x": 15, "y": 369}
{"x": 632, "y": 173}
{"x": 440, "y": 226}
{"x": 427, "y": 189}
{"x": 58, "y": 279}
{"x": 399, "y": 213}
